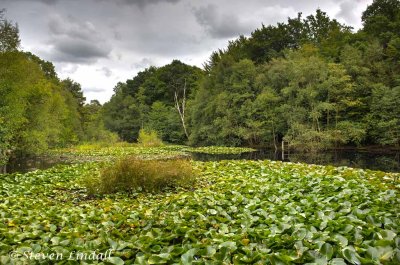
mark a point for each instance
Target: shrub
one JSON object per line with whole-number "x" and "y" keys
{"x": 133, "y": 174}
{"x": 149, "y": 138}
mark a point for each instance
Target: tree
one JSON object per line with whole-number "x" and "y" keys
{"x": 385, "y": 115}
{"x": 9, "y": 34}
{"x": 381, "y": 19}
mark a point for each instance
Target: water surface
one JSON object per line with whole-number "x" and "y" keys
{"x": 387, "y": 161}
{"x": 384, "y": 161}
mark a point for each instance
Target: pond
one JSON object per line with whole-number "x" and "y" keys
{"x": 388, "y": 161}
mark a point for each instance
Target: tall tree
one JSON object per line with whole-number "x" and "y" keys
{"x": 9, "y": 34}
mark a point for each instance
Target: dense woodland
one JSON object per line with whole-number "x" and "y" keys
{"x": 311, "y": 81}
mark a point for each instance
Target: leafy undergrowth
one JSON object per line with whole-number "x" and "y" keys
{"x": 239, "y": 212}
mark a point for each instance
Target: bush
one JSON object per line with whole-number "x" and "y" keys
{"x": 133, "y": 174}
{"x": 149, "y": 138}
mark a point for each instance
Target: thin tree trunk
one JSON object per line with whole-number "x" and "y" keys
{"x": 181, "y": 109}
{"x": 273, "y": 135}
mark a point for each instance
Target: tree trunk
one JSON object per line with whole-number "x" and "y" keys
{"x": 181, "y": 108}
{"x": 273, "y": 135}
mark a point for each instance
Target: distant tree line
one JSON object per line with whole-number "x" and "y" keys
{"x": 311, "y": 82}
{"x": 38, "y": 110}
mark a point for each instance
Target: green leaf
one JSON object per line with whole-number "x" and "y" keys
{"x": 187, "y": 258}
{"x": 337, "y": 261}
{"x": 159, "y": 259}
{"x": 350, "y": 255}
{"x": 327, "y": 250}
{"x": 115, "y": 260}
{"x": 341, "y": 239}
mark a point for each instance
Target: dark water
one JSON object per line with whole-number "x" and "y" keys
{"x": 27, "y": 164}
{"x": 389, "y": 161}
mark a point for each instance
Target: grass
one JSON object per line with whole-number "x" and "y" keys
{"x": 133, "y": 174}
{"x": 237, "y": 212}
{"x": 149, "y": 138}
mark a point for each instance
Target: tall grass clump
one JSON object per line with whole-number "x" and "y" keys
{"x": 149, "y": 138}
{"x": 133, "y": 174}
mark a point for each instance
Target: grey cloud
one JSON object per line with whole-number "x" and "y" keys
{"x": 219, "y": 25}
{"x": 105, "y": 70}
{"x": 347, "y": 11}
{"x": 74, "y": 41}
{"x": 94, "y": 90}
{"x": 143, "y": 3}
{"x": 144, "y": 63}
{"x": 47, "y": 2}
{"x": 70, "y": 69}
{"x": 139, "y": 3}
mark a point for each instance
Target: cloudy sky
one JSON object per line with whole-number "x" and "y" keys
{"x": 101, "y": 42}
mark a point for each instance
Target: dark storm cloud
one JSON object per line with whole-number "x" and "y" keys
{"x": 219, "y": 25}
{"x": 75, "y": 41}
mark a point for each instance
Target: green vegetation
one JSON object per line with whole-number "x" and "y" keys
{"x": 133, "y": 174}
{"x": 219, "y": 150}
{"x": 149, "y": 138}
{"x": 237, "y": 212}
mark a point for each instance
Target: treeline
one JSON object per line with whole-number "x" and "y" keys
{"x": 38, "y": 110}
{"x": 311, "y": 82}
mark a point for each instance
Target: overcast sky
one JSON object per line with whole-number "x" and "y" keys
{"x": 101, "y": 42}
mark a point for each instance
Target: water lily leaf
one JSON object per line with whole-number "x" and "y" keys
{"x": 350, "y": 255}
{"x": 327, "y": 250}
{"x": 159, "y": 259}
{"x": 341, "y": 239}
{"x": 187, "y": 258}
{"x": 387, "y": 235}
{"x": 337, "y": 261}
{"x": 115, "y": 260}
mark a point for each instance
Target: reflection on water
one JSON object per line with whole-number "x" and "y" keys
{"x": 32, "y": 163}
{"x": 389, "y": 162}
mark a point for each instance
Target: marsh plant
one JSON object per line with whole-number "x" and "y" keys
{"x": 149, "y": 138}
{"x": 134, "y": 174}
